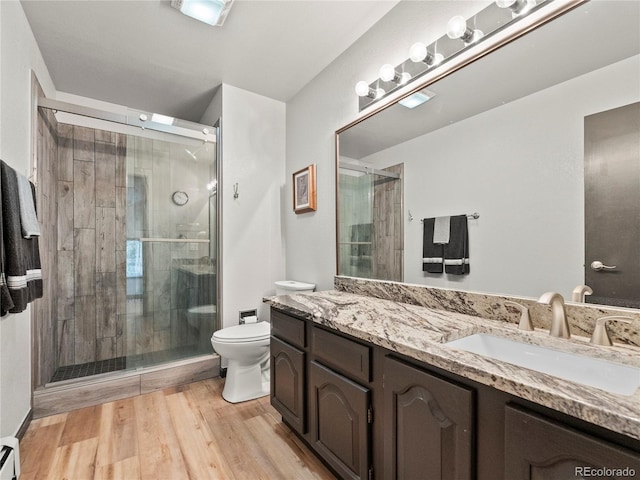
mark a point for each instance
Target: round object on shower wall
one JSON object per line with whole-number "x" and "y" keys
{"x": 180, "y": 198}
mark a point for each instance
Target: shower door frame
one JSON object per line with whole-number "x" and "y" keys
{"x": 91, "y": 390}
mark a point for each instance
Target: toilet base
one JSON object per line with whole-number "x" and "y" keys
{"x": 245, "y": 382}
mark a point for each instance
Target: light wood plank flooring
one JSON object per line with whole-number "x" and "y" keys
{"x": 186, "y": 432}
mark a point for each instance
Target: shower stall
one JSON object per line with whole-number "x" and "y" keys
{"x": 130, "y": 244}
{"x": 371, "y": 242}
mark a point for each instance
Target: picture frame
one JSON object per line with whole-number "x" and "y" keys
{"x": 304, "y": 190}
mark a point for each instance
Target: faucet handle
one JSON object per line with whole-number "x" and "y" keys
{"x": 600, "y": 334}
{"x": 525, "y": 318}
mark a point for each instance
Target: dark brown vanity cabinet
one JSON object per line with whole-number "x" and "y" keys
{"x": 339, "y": 412}
{"x": 537, "y": 448}
{"x": 288, "y": 369}
{"x": 428, "y": 425}
{"x": 372, "y": 414}
{"x": 287, "y": 383}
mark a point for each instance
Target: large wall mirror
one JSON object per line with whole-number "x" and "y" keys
{"x": 540, "y": 137}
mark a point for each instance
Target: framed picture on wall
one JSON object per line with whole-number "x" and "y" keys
{"x": 304, "y": 190}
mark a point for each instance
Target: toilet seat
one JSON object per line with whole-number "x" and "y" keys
{"x": 249, "y": 332}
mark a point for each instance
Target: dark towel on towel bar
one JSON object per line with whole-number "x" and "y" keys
{"x": 20, "y": 273}
{"x": 456, "y": 252}
{"x": 432, "y": 253}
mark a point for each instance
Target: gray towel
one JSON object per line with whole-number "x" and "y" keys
{"x": 28, "y": 217}
{"x": 441, "y": 230}
{"x": 20, "y": 272}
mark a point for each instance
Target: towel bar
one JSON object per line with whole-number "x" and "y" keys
{"x": 474, "y": 215}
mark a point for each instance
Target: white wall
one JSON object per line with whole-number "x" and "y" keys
{"x": 521, "y": 167}
{"x": 253, "y": 151}
{"x": 327, "y": 103}
{"x": 19, "y": 55}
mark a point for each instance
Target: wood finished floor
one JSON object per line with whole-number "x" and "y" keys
{"x": 186, "y": 432}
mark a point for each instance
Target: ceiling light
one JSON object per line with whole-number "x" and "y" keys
{"x": 457, "y": 28}
{"x": 164, "y": 119}
{"x": 212, "y": 12}
{"x": 418, "y": 98}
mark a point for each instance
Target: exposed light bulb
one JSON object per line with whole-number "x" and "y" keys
{"x": 362, "y": 89}
{"x": 404, "y": 78}
{"x": 418, "y": 52}
{"x": 457, "y": 28}
{"x": 517, "y": 7}
{"x": 387, "y": 72}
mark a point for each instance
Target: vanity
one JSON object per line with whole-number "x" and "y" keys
{"x": 372, "y": 387}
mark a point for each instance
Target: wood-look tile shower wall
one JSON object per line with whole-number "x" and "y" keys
{"x": 92, "y": 200}
{"x": 43, "y": 310}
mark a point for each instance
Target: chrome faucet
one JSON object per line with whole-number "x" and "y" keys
{"x": 579, "y": 293}
{"x": 559, "y": 323}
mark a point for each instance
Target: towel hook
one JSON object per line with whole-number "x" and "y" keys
{"x": 235, "y": 190}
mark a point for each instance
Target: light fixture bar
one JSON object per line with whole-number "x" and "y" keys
{"x": 460, "y": 35}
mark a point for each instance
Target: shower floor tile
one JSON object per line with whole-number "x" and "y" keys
{"x": 69, "y": 372}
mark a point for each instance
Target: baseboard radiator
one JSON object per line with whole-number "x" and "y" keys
{"x": 9, "y": 458}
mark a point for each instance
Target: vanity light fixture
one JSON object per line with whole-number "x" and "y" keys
{"x": 423, "y": 58}
{"x": 458, "y": 28}
{"x": 211, "y": 12}
{"x": 389, "y": 74}
{"x": 419, "y": 53}
{"x": 517, "y": 7}
{"x": 417, "y": 99}
{"x": 364, "y": 90}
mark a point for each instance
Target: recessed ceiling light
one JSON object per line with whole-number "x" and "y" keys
{"x": 164, "y": 119}
{"x": 212, "y": 12}
{"x": 418, "y": 98}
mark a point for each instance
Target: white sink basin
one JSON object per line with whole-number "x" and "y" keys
{"x": 594, "y": 372}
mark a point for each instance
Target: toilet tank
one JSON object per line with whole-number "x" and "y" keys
{"x": 289, "y": 287}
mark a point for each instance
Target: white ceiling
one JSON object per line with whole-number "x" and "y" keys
{"x": 146, "y": 55}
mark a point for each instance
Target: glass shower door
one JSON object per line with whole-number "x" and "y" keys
{"x": 171, "y": 305}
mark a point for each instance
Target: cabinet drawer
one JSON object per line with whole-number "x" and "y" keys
{"x": 288, "y": 328}
{"x": 342, "y": 354}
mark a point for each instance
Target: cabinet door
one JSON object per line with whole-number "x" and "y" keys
{"x": 287, "y": 383}
{"x": 339, "y": 416}
{"x": 428, "y": 425}
{"x": 540, "y": 449}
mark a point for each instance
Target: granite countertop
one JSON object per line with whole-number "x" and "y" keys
{"x": 420, "y": 333}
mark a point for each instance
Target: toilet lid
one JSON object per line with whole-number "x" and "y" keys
{"x": 244, "y": 333}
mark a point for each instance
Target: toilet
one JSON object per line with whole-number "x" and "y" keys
{"x": 246, "y": 348}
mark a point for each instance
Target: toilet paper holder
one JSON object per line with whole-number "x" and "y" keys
{"x": 248, "y": 316}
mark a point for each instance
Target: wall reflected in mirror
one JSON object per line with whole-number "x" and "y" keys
{"x": 505, "y": 137}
